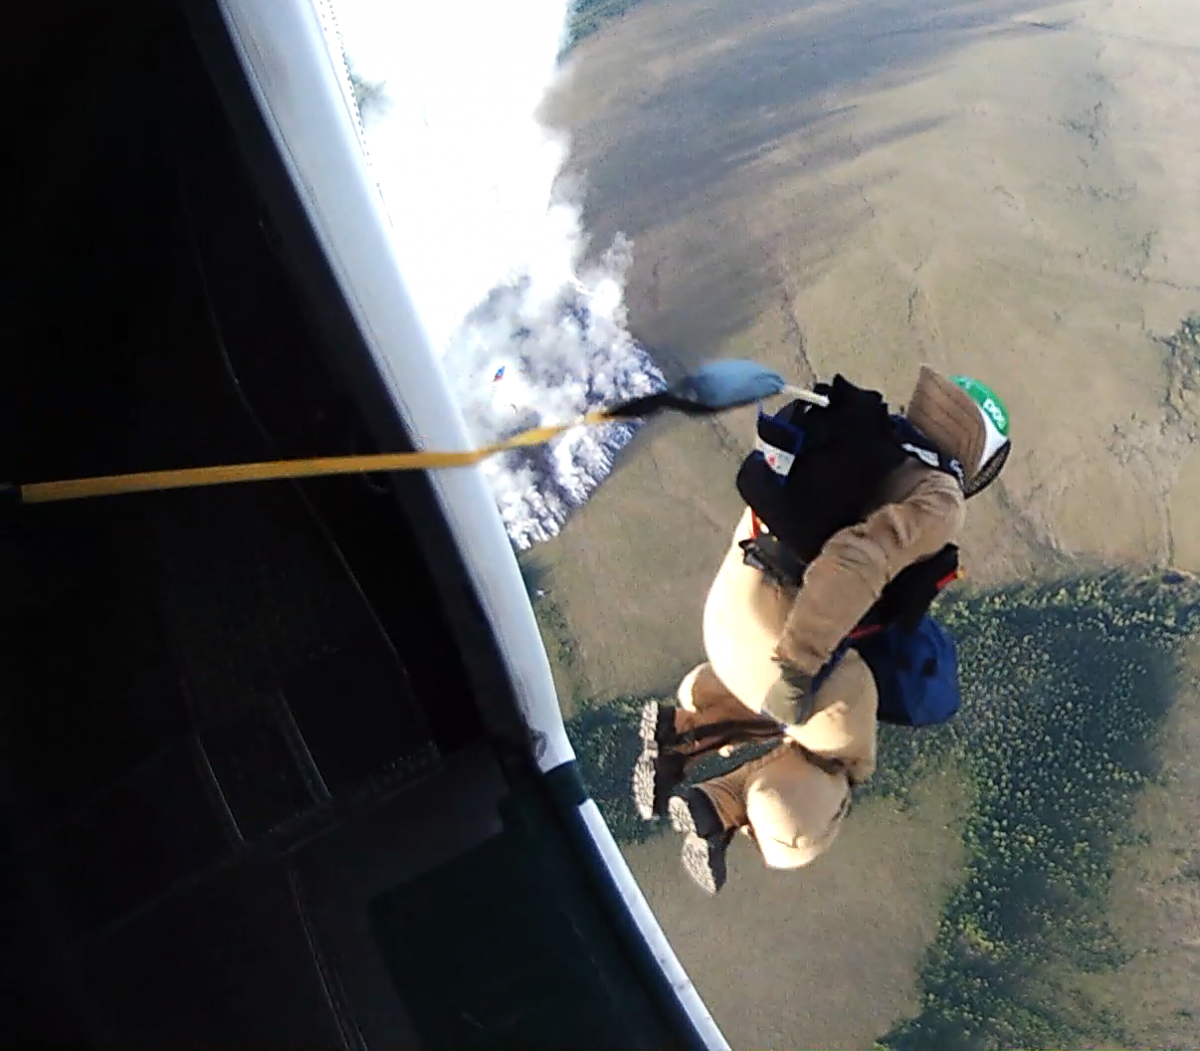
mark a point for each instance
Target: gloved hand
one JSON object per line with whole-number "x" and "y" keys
{"x": 791, "y": 699}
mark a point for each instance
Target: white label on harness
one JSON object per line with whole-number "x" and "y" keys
{"x": 927, "y": 455}
{"x": 777, "y": 459}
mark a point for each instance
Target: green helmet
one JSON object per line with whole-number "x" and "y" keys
{"x": 995, "y": 419}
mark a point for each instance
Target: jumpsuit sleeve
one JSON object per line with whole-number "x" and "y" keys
{"x": 856, "y": 563}
{"x": 844, "y": 725}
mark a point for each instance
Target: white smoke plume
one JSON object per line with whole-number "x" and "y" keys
{"x": 491, "y": 237}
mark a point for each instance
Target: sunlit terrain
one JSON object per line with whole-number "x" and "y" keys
{"x": 999, "y": 188}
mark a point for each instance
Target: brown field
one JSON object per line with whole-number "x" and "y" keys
{"x": 1156, "y": 896}
{"x": 995, "y": 187}
{"x": 862, "y": 187}
{"x": 820, "y": 958}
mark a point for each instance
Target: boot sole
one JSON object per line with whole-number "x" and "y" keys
{"x": 648, "y": 727}
{"x": 643, "y": 787}
{"x": 703, "y": 859}
{"x": 649, "y": 803}
{"x": 681, "y": 816}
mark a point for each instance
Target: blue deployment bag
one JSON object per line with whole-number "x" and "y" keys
{"x": 915, "y": 671}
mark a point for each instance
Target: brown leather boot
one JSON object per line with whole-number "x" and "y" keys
{"x": 659, "y": 769}
{"x": 674, "y": 738}
{"x": 701, "y": 690}
{"x": 710, "y": 813}
{"x": 705, "y": 838}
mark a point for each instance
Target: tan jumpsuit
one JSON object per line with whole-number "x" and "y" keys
{"x": 794, "y": 798}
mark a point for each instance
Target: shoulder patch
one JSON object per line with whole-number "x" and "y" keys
{"x": 779, "y": 460}
{"x": 927, "y": 456}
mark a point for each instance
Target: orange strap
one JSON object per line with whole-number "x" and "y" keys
{"x": 317, "y": 467}
{"x": 951, "y": 577}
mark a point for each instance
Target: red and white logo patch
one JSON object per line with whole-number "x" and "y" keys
{"x": 779, "y": 460}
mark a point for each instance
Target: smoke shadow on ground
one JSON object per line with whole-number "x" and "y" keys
{"x": 731, "y": 93}
{"x": 684, "y": 108}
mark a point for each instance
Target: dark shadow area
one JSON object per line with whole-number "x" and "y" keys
{"x": 1066, "y": 690}
{"x": 738, "y": 100}
{"x": 725, "y": 285}
{"x": 673, "y": 147}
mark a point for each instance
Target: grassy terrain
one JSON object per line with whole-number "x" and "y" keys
{"x": 1069, "y": 688}
{"x": 587, "y": 16}
{"x": 865, "y": 186}
{"x": 862, "y": 187}
{"x": 1066, "y": 688}
{"x": 1156, "y": 891}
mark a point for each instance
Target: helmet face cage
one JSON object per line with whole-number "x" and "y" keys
{"x": 989, "y": 472}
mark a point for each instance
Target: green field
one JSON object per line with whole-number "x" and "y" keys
{"x": 861, "y": 188}
{"x": 1066, "y": 688}
{"x": 587, "y": 16}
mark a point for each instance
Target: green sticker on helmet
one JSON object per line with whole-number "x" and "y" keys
{"x": 987, "y": 399}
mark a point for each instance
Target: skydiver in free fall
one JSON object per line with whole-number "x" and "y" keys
{"x": 852, "y": 513}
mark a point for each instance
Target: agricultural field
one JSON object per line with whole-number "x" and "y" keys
{"x": 1068, "y": 690}
{"x": 1006, "y": 189}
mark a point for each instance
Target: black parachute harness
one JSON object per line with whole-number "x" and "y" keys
{"x": 816, "y": 470}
